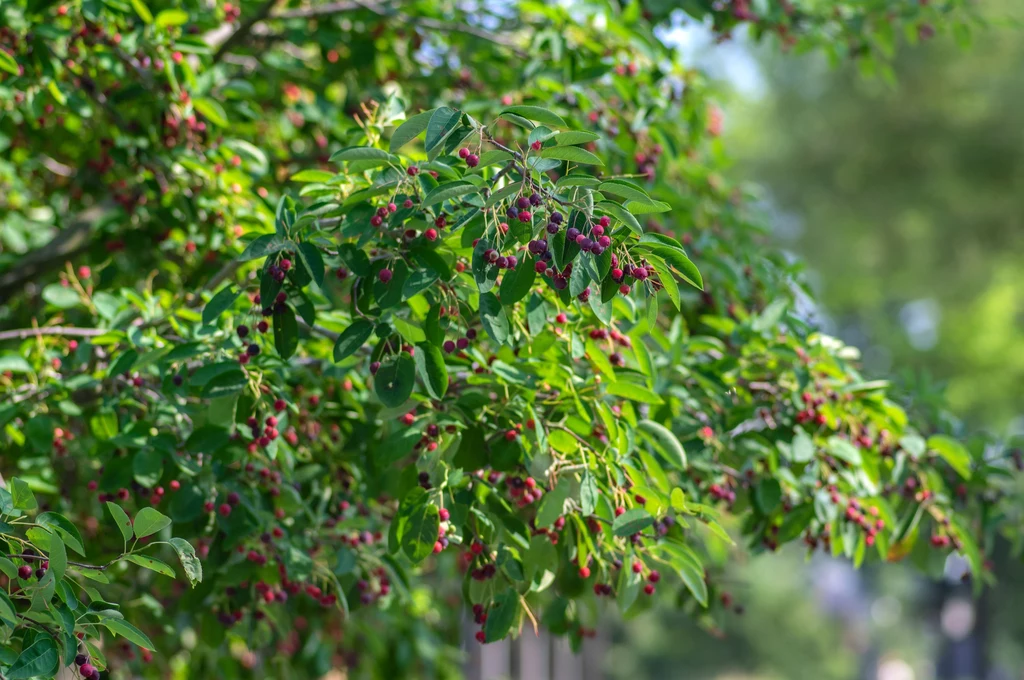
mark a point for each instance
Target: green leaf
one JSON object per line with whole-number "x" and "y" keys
{"x": 598, "y": 357}
{"x": 59, "y": 296}
{"x": 666, "y": 279}
{"x": 665, "y": 442}
{"x": 554, "y": 503}
{"x": 410, "y": 129}
{"x": 212, "y": 110}
{"x": 502, "y": 616}
{"x": 493, "y": 318}
{"x": 361, "y": 153}
{"x": 677, "y": 259}
{"x": 395, "y": 380}
{"x": 573, "y": 137}
{"x": 41, "y": 658}
{"x": 62, "y": 526}
{"x": 220, "y": 303}
{"x": 844, "y": 450}
{"x": 121, "y": 519}
{"x": 953, "y": 452}
{"x": 632, "y": 521}
{"x": 286, "y": 332}
{"x": 148, "y": 467}
{"x": 690, "y": 570}
{"x": 421, "y": 531}
{"x": 573, "y": 154}
{"x": 647, "y": 208}
{"x": 537, "y": 114}
{"x": 802, "y": 449}
{"x": 410, "y": 332}
{"x": 7, "y": 63}
{"x": 588, "y": 493}
{"x": 8, "y": 614}
{"x": 444, "y": 192}
{"x": 352, "y": 339}
{"x": 152, "y": 564}
{"x": 767, "y": 495}
{"x": 634, "y": 392}
{"x": 58, "y": 555}
{"x": 225, "y": 384}
{"x": 171, "y": 17}
{"x": 516, "y": 284}
{"x": 310, "y": 175}
{"x": 129, "y": 632}
{"x": 189, "y": 562}
{"x": 149, "y": 521}
{"x": 621, "y": 214}
{"x": 14, "y": 364}
{"x": 624, "y": 189}
{"x": 21, "y": 495}
{"x": 142, "y": 11}
{"x": 442, "y": 122}
{"x": 628, "y": 587}
{"x": 431, "y": 369}
{"x": 395, "y": 447}
{"x": 264, "y": 245}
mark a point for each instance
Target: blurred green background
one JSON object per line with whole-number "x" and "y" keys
{"x": 906, "y": 202}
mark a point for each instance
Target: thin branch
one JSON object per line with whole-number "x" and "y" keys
{"x": 521, "y": 166}
{"x": 40, "y": 558}
{"x": 69, "y": 331}
{"x": 400, "y": 18}
{"x": 68, "y": 243}
{"x": 244, "y": 30}
{"x": 320, "y": 10}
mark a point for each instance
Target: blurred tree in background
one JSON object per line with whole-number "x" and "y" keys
{"x": 908, "y": 199}
{"x": 904, "y": 202}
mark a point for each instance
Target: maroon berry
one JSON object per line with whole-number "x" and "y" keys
{"x": 385, "y": 275}
{"x": 24, "y": 571}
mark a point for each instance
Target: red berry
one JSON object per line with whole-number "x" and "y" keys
{"x": 584, "y": 572}
{"x": 385, "y": 275}
{"x": 649, "y": 589}
{"x": 24, "y": 571}
{"x": 413, "y": 171}
{"x": 480, "y": 637}
{"x": 224, "y": 509}
{"x": 280, "y": 404}
{"x": 444, "y": 514}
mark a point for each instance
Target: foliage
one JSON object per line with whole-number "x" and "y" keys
{"x": 918, "y": 185}
{"x": 381, "y": 333}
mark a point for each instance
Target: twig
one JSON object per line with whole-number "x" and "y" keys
{"x": 319, "y": 10}
{"x": 244, "y": 30}
{"x": 330, "y": 8}
{"x": 40, "y": 558}
{"x": 70, "y": 331}
{"x": 519, "y": 161}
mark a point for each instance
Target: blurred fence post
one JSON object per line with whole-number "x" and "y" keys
{"x": 534, "y": 657}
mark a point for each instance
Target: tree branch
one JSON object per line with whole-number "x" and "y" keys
{"x": 65, "y": 245}
{"x": 244, "y": 30}
{"x": 69, "y": 331}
